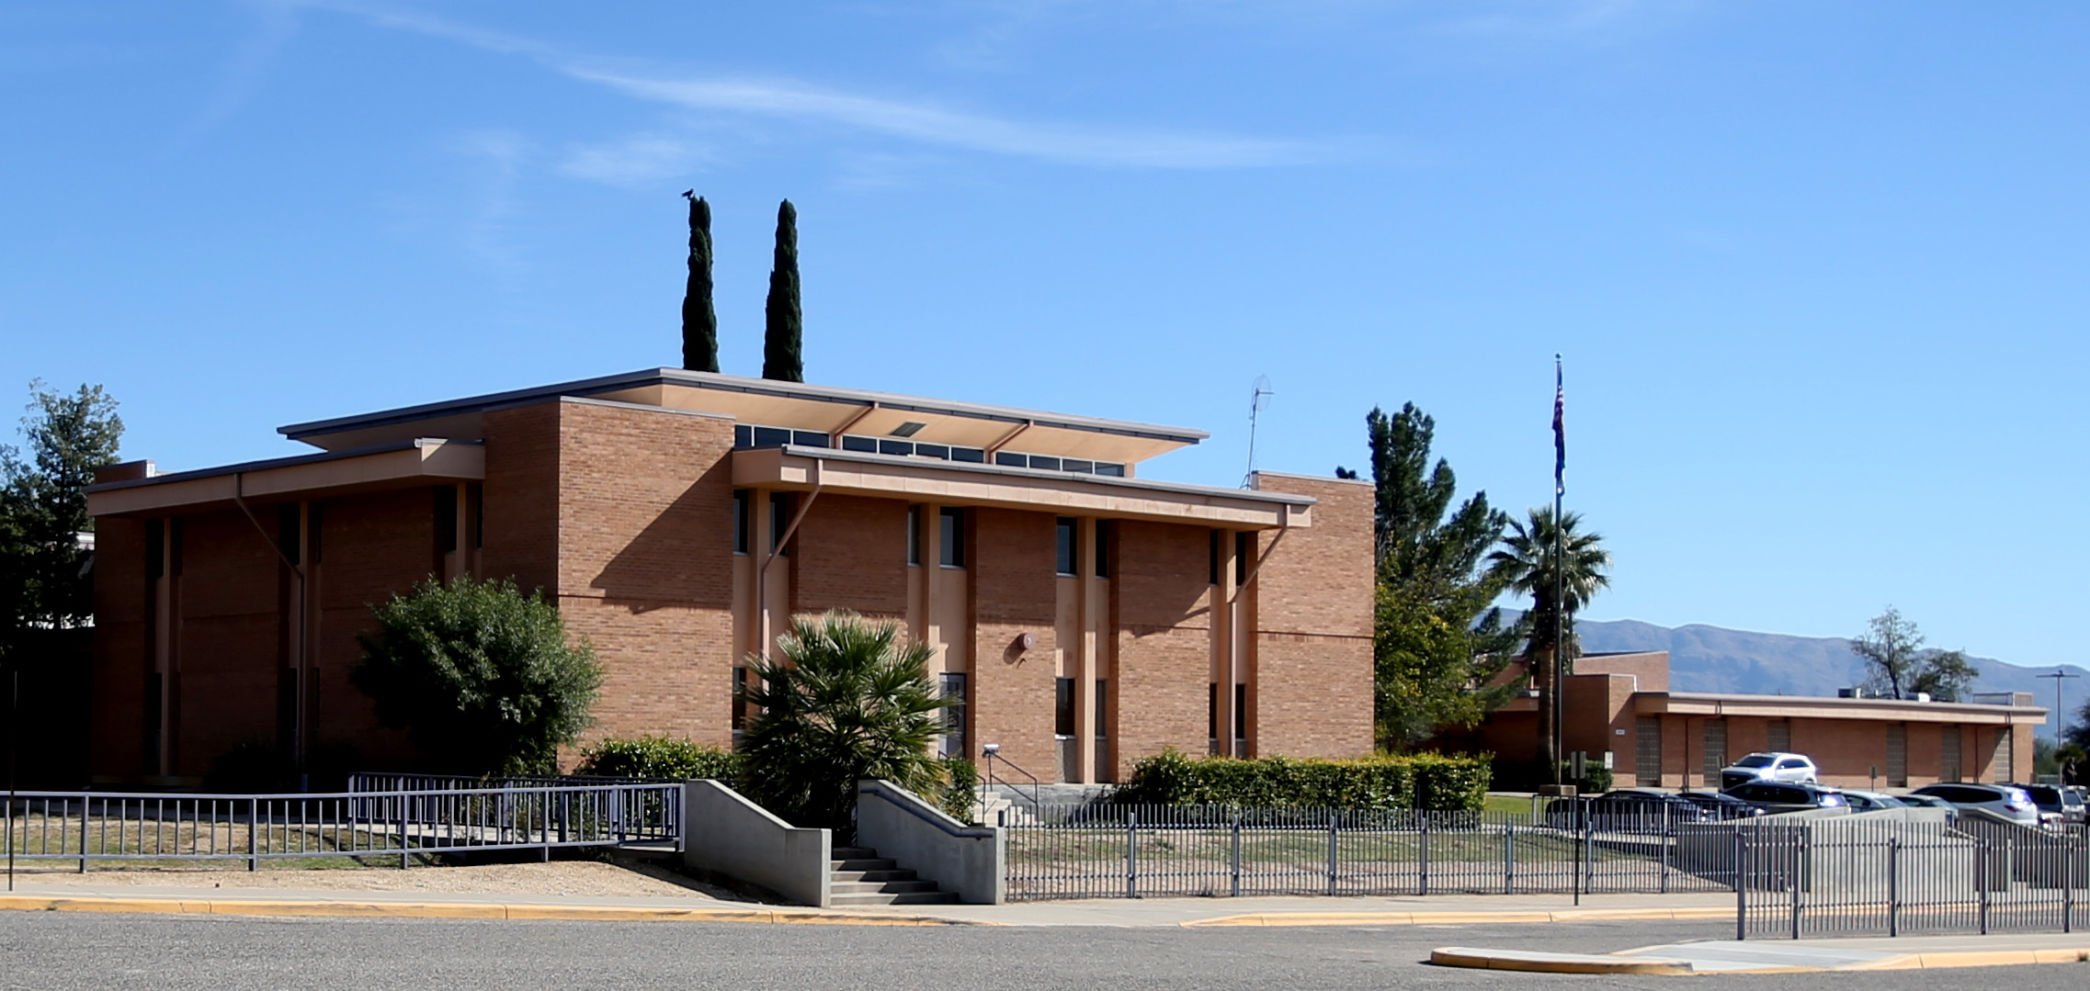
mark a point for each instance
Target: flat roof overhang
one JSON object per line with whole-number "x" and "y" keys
{"x": 1803, "y": 707}
{"x": 921, "y": 480}
{"x": 769, "y": 402}
{"x": 420, "y": 461}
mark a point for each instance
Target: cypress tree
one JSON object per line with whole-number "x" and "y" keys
{"x": 783, "y": 338}
{"x": 699, "y": 320}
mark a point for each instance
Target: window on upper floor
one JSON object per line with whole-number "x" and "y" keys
{"x": 951, "y": 535}
{"x": 1065, "y": 534}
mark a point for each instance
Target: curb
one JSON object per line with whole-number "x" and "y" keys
{"x": 1553, "y": 963}
{"x": 457, "y": 910}
{"x": 1976, "y": 958}
{"x": 1708, "y": 913}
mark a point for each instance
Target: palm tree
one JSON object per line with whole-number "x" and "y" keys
{"x": 847, "y": 700}
{"x": 1526, "y": 565}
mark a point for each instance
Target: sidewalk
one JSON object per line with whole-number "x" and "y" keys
{"x": 1786, "y": 956}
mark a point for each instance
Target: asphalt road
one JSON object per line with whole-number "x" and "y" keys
{"x": 78, "y": 952}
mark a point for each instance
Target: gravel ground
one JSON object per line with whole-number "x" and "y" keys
{"x": 567, "y": 877}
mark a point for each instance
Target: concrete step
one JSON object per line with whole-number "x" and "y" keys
{"x": 881, "y": 887}
{"x": 852, "y": 853}
{"x": 862, "y": 864}
{"x": 898, "y": 898}
{"x": 901, "y": 874}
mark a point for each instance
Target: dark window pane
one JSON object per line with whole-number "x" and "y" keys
{"x": 1102, "y": 694}
{"x": 289, "y": 530}
{"x": 1008, "y": 460}
{"x": 740, "y": 521}
{"x": 771, "y": 437}
{"x": 1213, "y": 578}
{"x": 1114, "y": 471}
{"x": 779, "y": 520}
{"x": 445, "y": 519}
{"x": 809, "y": 438}
{"x": 1045, "y": 463}
{"x": 743, "y": 435}
{"x": 1078, "y": 467}
{"x": 914, "y": 535}
{"x": 739, "y": 700}
{"x": 1244, "y": 549}
{"x": 937, "y": 451}
{"x": 1212, "y": 710}
{"x": 952, "y": 687}
{"x": 952, "y": 523}
{"x": 1105, "y": 531}
{"x": 868, "y": 445}
{"x": 1240, "y": 713}
{"x": 969, "y": 455}
{"x": 1067, "y": 530}
{"x": 895, "y": 446}
{"x": 1063, "y": 713}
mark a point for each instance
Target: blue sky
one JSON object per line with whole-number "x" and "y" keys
{"x": 1817, "y": 269}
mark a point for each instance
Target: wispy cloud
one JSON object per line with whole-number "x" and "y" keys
{"x": 487, "y": 234}
{"x": 638, "y": 160}
{"x": 242, "y": 74}
{"x": 921, "y": 121}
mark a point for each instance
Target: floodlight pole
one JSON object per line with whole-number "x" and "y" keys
{"x": 2060, "y": 714}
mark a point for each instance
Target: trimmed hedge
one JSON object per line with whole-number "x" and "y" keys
{"x": 659, "y": 757}
{"x": 1423, "y": 781}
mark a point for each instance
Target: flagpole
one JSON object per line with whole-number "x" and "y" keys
{"x": 1559, "y": 740}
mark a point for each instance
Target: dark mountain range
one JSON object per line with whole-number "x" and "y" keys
{"x": 1711, "y": 659}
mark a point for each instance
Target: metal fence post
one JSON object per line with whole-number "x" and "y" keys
{"x": 1893, "y": 889}
{"x": 1981, "y": 882}
{"x": 253, "y": 844}
{"x": 2067, "y": 883}
{"x": 400, "y": 815}
{"x": 1741, "y": 891}
{"x": 1422, "y": 877}
{"x": 1331, "y": 852}
{"x": 543, "y": 817}
{"x": 1132, "y": 855}
{"x": 1798, "y": 853}
{"x": 86, "y": 813}
{"x": 1669, "y": 839}
{"x": 1509, "y": 858}
{"x": 1589, "y": 826}
{"x": 1236, "y": 891}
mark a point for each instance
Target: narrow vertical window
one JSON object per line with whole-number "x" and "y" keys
{"x": 1102, "y": 708}
{"x": 1244, "y": 548}
{"x": 475, "y": 512}
{"x": 952, "y": 688}
{"x": 780, "y": 504}
{"x": 1066, "y": 531}
{"x": 739, "y": 688}
{"x": 914, "y": 535}
{"x": 1063, "y": 710}
{"x": 289, "y": 532}
{"x": 1240, "y": 713}
{"x": 1214, "y": 577}
{"x": 951, "y": 521}
{"x": 740, "y": 521}
{"x": 1104, "y": 531}
{"x": 1212, "y": 712}
{"x": 445, "y": 520}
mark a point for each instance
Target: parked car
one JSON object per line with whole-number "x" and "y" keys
{"x": 2003, "y": 800}
{"x": 1787, "y": 796}
{"x": 2052, "y": 801}
{"x": 1931, "y": 802}
{"x": 1872, "y": 801}
{"x": 1768, "y": 767}
{"x": 1719, "y": 807}
{"x": 1626, "y": 810}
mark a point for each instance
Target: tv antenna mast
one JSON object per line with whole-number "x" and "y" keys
{"x": 1258, "y": 401}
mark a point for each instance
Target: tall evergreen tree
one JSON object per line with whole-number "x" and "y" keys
{"x": 699, "y": 320}
{"x": 1438, "y": 641}
{"x": 783, "y": 341}
{"x": 43, "y": 509}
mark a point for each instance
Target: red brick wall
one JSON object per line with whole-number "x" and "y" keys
{"x": 1161, "y": 598}
{"x": 645, "y": 548}
{"x": 122, "y": 649}
{"x": 228, "y": 640}
{"x": 1314, "y": 626}
{"x": 521, "y": 496}
{"x": 1015, "y": 591}
{"x": 372, "y": 546}
{"x": 851, "y": 553}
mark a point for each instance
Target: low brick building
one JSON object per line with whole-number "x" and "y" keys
{"x": 1621, "y": 704}
{"x": 1084, "y": 617}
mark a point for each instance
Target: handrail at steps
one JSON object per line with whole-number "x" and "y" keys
{"x": 993, "y": 754}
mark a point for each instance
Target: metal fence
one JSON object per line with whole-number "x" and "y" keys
{"x": 180, "y": 829}
{"x": 1117, "y": 851}
{"x": 1864, "y": 877}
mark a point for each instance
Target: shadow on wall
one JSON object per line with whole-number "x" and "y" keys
{"x": 682, "y": 557}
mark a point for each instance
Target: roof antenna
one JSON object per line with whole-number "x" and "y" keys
{"x": 1258, "y": 401}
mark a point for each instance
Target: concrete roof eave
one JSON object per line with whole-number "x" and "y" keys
{"x": 417, "y": 461}
{"x": 1814, "y": 707}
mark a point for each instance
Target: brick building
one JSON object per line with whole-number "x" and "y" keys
{"x": 1620, "y": 703}
{"x": 1085, "y": 617}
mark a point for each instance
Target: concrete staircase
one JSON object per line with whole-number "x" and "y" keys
{"x": 862, "y": 877}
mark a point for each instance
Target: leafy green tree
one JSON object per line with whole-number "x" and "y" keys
{"x": 1438, "y": 642}
{"x": 480, "y": 674}
{"x": 1528, "y": 565}
{"x": 699, "y": 320}
{"x": 43, "y": 509}
{"x": 1899, "y": 664}
{"x": 846, "y": 700}
{"x": 783, "y": 339}
{"x": 2079, "y": 732}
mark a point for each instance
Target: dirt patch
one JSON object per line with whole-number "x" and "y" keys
{"x": 593, "y": 879}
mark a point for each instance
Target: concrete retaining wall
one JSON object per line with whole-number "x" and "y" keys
{"x": 726, "y": 834}
{"x": 962, "y": 859}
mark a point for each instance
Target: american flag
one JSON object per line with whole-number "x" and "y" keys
{"x": 1559, "y": 430}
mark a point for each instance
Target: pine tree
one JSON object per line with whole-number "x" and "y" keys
{"x": 699, "y": 320}
{"x": 783, "y": 341}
